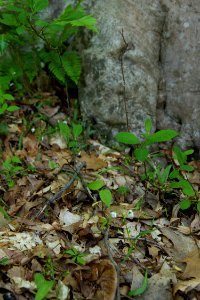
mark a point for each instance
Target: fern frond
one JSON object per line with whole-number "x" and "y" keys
{"x": 72, "y": 65}
{"x": 55, "y": 66}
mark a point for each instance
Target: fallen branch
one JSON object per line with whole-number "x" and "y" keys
{"x": 58, "y": 195}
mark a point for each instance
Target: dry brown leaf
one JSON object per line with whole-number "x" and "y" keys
{"x": 30, "y": 144}
{"x": 181, "y": 245}
{"x": 93, "y": 162}
{"x": 106, "y": 280}
{"x": 187, "y": 286}
{"x": 192, "y": 269}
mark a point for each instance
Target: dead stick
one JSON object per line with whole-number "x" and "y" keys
{"x": 62, "y": 190}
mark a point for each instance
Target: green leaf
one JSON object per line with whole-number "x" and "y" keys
{"x": 64, "y": 130}
{"x": 9, "y": 19}
{"x": 95, "y": 185}
{"x": 72, "y": 65}
{"x": 185, "y": 185}
{"x": 189, "y": 152}
{"x": 16, "y": 159}
{"x": 142, "y": 289}
{"x": 39, "y": 5}
{"x": 8, "y": 97}
{"x": 4, "y": 261}
{"x": 77, "y": 129}
{"x": 148, "y": 125}
{"x": 106, "y": 197}
{"x": 174, "y": 174}
{"x": 127, "y": 138}
{"x": 185, "y": 204}
{"x": 52, "y": 164}
{"x": 43, "y": 286}
{"x": 198, "y": 206}
{"x": 187, "y": 168}
{"x": 164, "y": 175}
{"x": 161, "y": 136}
{"x": 41, "y": 23}
{"x": 179, "y": 155}
{"x": 141, "y": 154}
{"x": 86, "y": 21}
{"x": 13, "y": 108}
{"x": 20, "y": 29}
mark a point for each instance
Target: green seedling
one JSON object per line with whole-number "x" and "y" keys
{"x": 72, "y": 135}
{"x": 76, "y": 256}
{"x": 4, "y": 100}
{"x": 104, "y": 193}
{"x": 162, "y": 179}
{"x": 123, "y": 190}
{"x": 43, "y": 286}
{"x": 13, "y": 166}
{"x": 49, "y": 268}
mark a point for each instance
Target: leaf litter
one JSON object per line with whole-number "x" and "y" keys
{"x": 55, "y": 230}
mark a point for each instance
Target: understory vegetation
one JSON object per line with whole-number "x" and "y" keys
{"x": 75, "y": 214}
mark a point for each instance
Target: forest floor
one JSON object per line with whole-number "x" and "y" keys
{"x": 59, "y": 240}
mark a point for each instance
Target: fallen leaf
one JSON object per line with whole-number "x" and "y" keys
{"x": 93, "y": 162}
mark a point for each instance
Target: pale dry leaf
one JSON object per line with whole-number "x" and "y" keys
{"x": 184, "y": 229}
{"x": 192, "y": 269}
{"x": 181, "y": 245}
{"x": 93, "y": 162}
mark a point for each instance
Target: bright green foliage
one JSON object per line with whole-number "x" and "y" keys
{"x": 72, "y": 134}
{"x": 123, "y": 190}
{"x": 162, "y": 179}
{"x": 142, "y": 289}
{"x": 76, "y": 256}
{"x": 28, "y": 42}
{"x": 104, "y": 194}
{"x": 106, "y": 197}
{"x": 43, "y": 286}
{"x": 185, "y": 204}
{"x": 4, "y": 261}
{"x": 127, "y": 138}
{"x": 4, "y": 99}
{"x": 11, "y": 167}
{"x": 96, "y": 185}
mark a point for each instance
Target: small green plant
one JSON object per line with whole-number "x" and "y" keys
{"x": 49, "y": 268}
{"x": 28, "y": 42}
{"x": 10, "y": 168}
{"x": 72, "y": 135}
{"x": 43, "y": 286}
{"x": 104, "y": 193}
{"x": 4, "y": 106}
{"x": 162, "y": 179}
{"x": 123, "y": 190}
{"x": 13, "y": 166}
{"x": 76, "y": 256}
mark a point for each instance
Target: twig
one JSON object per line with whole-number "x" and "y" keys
{"x": 106, "y": 241}
{"x": 62, "y": 190}
{"x": 122, "y": 52}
